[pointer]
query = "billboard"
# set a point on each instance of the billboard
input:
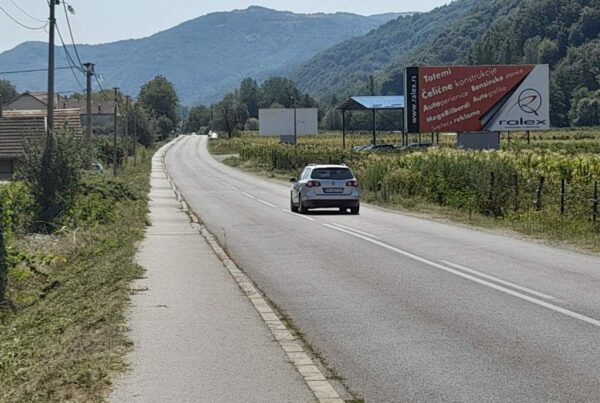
(280, 122)
(477, 98)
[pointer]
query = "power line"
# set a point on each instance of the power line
(102, 92)
(72, 64)
(71, 32)
(26, 13)
(32, 70)
(20, 23)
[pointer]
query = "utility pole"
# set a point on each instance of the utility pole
(295, 120)
(115, 133)
(88, 134)
(50, 103)
(126, 136)
(135, 117)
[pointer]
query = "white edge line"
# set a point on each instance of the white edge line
(497, 280)
(355, 230)
(266, 203)
(298, 215)
(248, 195)
(535, 301)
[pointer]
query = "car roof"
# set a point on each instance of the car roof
(327, 166)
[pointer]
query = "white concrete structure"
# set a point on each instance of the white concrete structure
(280, 122)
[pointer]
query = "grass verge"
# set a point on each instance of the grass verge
(65, 338)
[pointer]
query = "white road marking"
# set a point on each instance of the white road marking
(266, 203)
(234, 188)
(497, 280)
(355, 230)
(298, 215)
(428, 262)
(248, 195)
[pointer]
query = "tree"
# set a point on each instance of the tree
(160, 97)
(279, 90)
(252, 124)
(229, 115)
(198, 117)
(141, 123)
(165, 126)
(250, 96)
(7, 91)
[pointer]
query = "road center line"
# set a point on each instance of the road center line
(266, 203)
(357, 231)
(428, 262)
(234, 188)
(500, 281)
(248, 195)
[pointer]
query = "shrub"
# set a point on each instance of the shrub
(52, 169)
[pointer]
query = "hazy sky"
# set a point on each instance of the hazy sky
(111, 20)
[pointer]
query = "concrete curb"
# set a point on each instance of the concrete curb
(291, 345)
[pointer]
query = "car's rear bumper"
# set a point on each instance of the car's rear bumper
(327, 203)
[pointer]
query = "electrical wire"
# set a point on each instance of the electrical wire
(102, 92)
(26, 13)
(32, 70)
(71, 32)
(70, 61)
(20, 23)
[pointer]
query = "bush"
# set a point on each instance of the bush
(16, 204)
(52, 169)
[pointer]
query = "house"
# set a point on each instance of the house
(30, 101)
(18, 127)
(102, 111)
(15, 132)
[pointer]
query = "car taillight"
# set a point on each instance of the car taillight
(353, 184)
(313, 184)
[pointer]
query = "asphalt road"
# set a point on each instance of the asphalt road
(407, 309)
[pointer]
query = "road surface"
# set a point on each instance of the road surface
(407, 309)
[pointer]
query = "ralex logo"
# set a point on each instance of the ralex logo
(530, 102)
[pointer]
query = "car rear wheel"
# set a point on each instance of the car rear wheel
(355, 210)
(293, 206)
(301, 208)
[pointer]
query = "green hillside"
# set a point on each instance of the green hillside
(203, 57)
(345, 67)
(562, 33)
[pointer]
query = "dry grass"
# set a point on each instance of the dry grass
(66, 338)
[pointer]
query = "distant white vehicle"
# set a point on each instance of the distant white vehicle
(193, 133)
(213, 135)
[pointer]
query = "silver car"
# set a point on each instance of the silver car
(324, 186)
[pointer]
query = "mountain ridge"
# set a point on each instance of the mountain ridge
(204, 57)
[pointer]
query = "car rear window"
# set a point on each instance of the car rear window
(331, 173)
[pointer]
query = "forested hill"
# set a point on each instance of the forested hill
(562, 33)
(203, 57)
(452, 44)
(345, 67)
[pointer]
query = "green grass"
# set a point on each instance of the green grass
(65, 338)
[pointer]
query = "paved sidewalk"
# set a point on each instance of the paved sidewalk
(197, 337)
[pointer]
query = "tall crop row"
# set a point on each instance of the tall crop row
(497, 184)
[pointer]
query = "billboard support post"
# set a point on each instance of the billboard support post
(374, 128)
(343, 129)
